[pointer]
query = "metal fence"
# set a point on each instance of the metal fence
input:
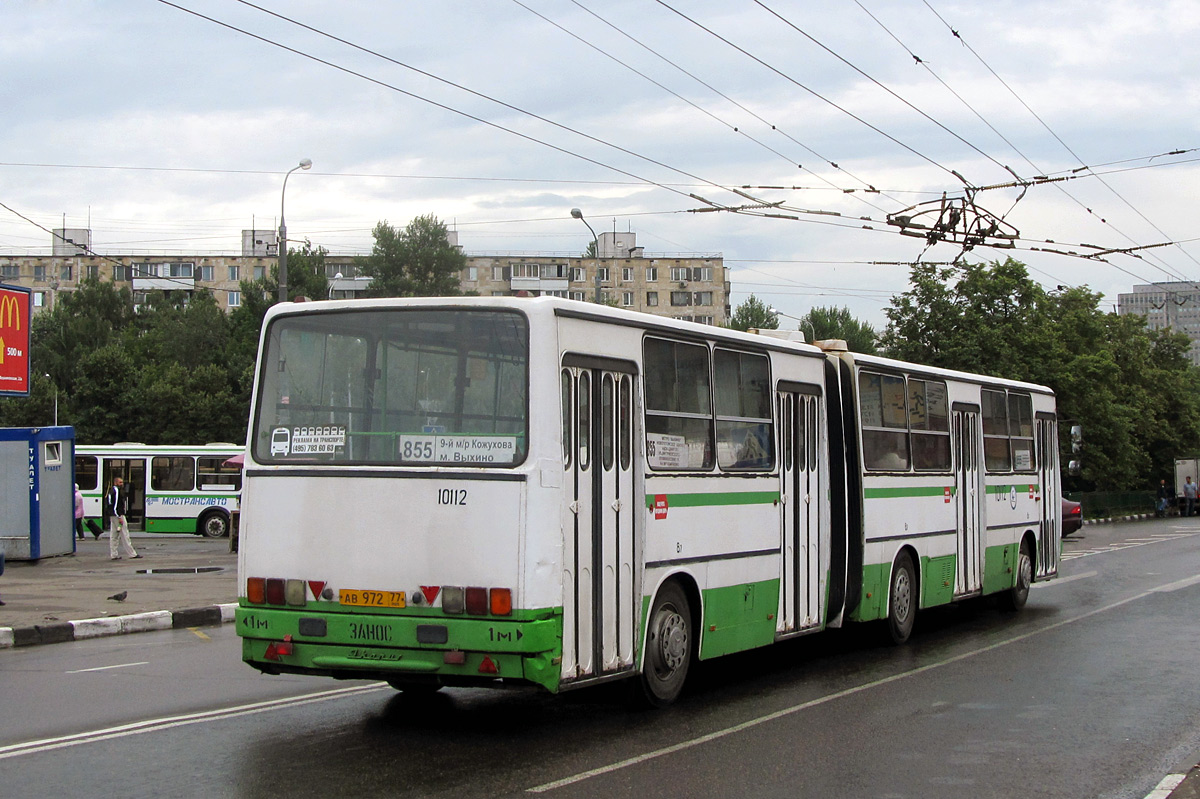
(1106, 504)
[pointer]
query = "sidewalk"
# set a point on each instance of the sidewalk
(180, 581)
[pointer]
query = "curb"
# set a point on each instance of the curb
(1130, 518)
(61, 632)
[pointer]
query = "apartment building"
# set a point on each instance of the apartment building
(1174, 305)
(691, 287)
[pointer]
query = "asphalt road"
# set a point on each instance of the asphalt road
(1091, 691)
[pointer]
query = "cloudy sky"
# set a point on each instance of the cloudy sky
(168, 128)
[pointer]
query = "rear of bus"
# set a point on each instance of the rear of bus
(385, 497)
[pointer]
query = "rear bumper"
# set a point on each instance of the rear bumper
(400, 647)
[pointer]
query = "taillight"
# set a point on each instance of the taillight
(477, 601)
(276, 591)
(256, 590)
(501, 601)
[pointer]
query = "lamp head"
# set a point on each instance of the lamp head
(305, 163)
(576, 213)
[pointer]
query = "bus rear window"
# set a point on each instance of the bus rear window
(395, 386)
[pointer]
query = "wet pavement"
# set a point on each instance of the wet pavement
(180, 578)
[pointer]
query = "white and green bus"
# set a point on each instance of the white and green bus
(171, 489)
(496, 491)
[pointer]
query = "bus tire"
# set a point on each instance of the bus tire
(902, 599)
(669, 646)
(213, 524)
(1016, 597)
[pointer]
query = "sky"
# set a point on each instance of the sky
(781, 135)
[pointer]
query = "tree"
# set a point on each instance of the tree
(826, 323)
(753, 313)
(1133, 391)
(418, 261)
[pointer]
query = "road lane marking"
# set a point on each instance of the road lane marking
(199, 634)
(1071, 579)
(169, 722)
(1164, 788)
(1178, 584)
(788, 711)
(105, 668)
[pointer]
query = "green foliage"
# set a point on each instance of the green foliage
(1134, 391)
(418, 261)
(753, 313)
(825, 323)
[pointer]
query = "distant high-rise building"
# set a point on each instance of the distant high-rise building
(1174, 305)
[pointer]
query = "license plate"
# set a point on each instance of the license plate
(373, 599)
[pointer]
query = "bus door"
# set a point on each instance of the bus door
(799, 505)
(968, 488)
(1046, 433)
(599, 603)
(133, 472)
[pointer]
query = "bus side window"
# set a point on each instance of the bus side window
(86, 472)
(585, 420)
(567, 444)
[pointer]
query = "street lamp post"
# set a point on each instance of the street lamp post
(808, 322)
(304, 164)
(55, 399)
(576, 213)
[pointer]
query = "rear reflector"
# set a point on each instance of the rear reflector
(275, 591)
(256, 590)
(455, 657)
(477, 601)
(501, 601)
(488, 666)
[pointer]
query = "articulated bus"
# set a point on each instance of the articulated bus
(171, 489)
(497, 491)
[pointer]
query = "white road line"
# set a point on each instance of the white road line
(106, 668)
(788, 711)
(155, 725)
(1063, 580)
(1178, 584)
(1164, 788)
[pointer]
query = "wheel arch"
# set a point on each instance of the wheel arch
(918, 576)
(215, 510)
(691, 591)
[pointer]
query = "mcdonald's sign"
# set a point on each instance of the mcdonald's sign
(14, 341)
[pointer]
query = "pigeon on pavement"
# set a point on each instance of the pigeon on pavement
(119, 597)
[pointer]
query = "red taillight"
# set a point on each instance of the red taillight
(256, 590)
(276, 591)
(501, 601)
(277, 649)
(477, 601)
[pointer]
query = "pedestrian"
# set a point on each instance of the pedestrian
(79, 513)
(118, 535)
(1165, 497)
(1189, 496)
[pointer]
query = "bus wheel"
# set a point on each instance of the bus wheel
(668, 646)
(902, 600)
(1016, 597)
(214, 525)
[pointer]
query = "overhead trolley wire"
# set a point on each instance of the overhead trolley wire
(866, 185)
(812, 92)
(1164, 269)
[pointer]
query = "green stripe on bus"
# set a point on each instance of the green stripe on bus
(1021, 488)
(170, 525)
(906, 491)
(722, 498)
